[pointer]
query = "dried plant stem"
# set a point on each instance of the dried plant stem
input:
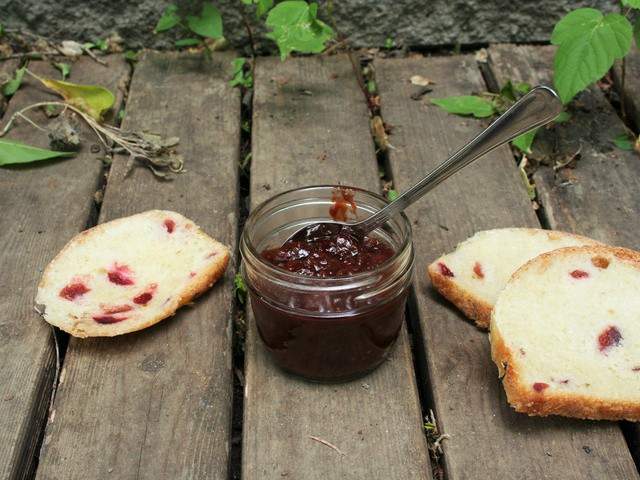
(134, 144)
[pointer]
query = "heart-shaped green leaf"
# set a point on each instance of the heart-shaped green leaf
(168, 20)
(295, 27)
(208, 23)
(588, 44)
(15, 152)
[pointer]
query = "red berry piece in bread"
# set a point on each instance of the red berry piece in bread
(108, 319)
(120, 275)
(579, 274)
(146, 296)
(540, 386)
(444, 270)
(170, 225)
(73, 290)
(477, 270)
(610, 337)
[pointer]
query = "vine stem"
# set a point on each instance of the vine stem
(252, 42)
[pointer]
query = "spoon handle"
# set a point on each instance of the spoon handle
(536, 108)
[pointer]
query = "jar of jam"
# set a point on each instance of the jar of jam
(330, 310)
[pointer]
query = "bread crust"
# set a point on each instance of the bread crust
(526, 400)
(199, 285)
(474, 307)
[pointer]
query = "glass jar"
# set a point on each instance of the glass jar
(325, 329)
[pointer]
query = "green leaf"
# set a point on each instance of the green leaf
(623, 142)
(208, 24)
(636, 31)
(511, 90)
(263, 6)
(631, 3)
(562, 117)
(65, 69)
(523, 142)
(392, 195)
(247, 2)
(10, 87)
(389, 43)
(240, 288)
(91, 99)
(239, 77)
(131, 56)
(588, 44)
(168, 20)
(295, 27)
(102, 45)
(466, 105)
(188, 42)
(15, 152)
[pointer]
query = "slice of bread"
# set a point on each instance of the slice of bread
(128, 274)
(472, 276)
(565, 334)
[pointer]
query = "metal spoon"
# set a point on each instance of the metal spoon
(536, 108)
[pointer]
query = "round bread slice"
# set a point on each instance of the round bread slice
(565, 334)
(128, 274)
(472, 276)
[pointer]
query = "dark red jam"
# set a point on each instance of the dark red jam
(336, 256)
(305, 338)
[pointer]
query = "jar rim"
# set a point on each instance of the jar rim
(255, 213)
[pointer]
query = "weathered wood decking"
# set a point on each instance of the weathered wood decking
(158, 404)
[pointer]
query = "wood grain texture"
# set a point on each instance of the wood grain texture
(156, 404)
(43, 205)
(311, 127)
(631, 84)
(598, 197)
(487, 438)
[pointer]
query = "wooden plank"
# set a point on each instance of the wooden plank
(632, 85)
(43, 205)
(311, 127)
(599, 196)
(157, 403)
(487, 438)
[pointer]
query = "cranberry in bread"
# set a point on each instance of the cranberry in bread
(472, 276)
(565, 334)
(128, 274)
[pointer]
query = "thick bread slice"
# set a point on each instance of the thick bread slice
(565, 334)
(127, 274)
(472, 276)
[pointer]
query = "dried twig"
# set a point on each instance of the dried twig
(151, 150)
(93, 56)
(328, 444)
